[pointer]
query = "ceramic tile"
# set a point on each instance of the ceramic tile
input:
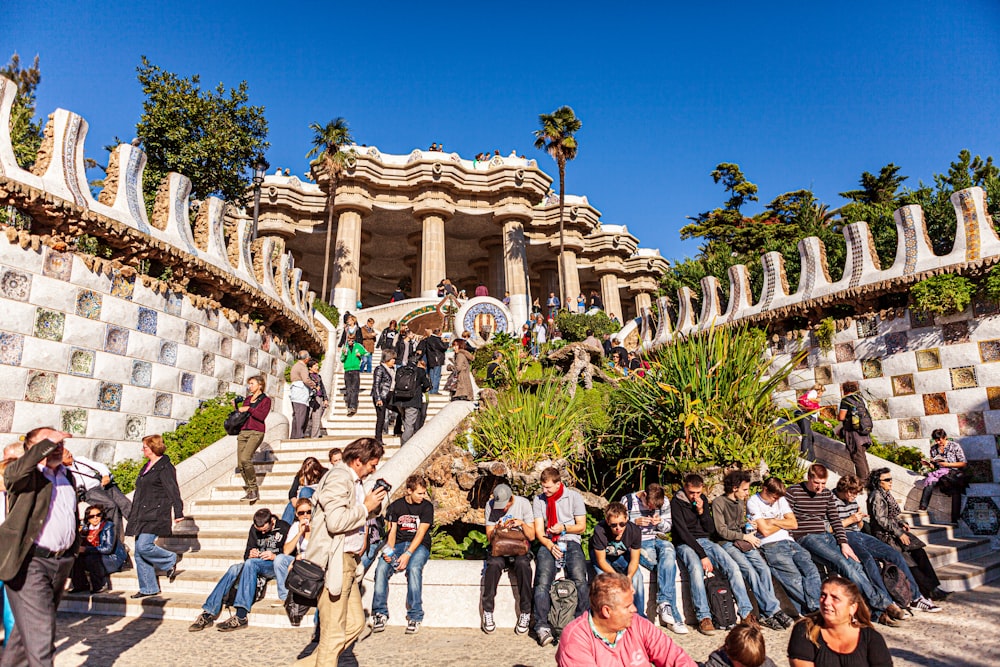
(238, 372)
(980, 472)
(208, 364)
(909, 429)
(274, 366)
(935, 404)
(58, 265)
(782, 385)
(971, 423)
(88, 304)
(989, 350)
(75, 421)
(955, 332)
(226, 347)
(187, 383)
(879, 408)
(844, 351)
(104, 452)
(921, 318)
(135, 427)
(192, 334)
(902, 385)
(41, 387)
(163, 404)
(964, 377)
(146, 321)
(928, 360)
(168, 353)
(81, 362)
(15, 285)
(848, 387)
(6, 416)
(122, 286)
(221, 387)
(993, 396)
(213, 317)
(175, 303)
(116, 340)
(240, 330)
(109, 397)
(49, 324)
(142, 373)
(895, 342)
(253, 357)
(871, 368)
(265, 342)
(11, 347)
(867, 326)
(981, 515)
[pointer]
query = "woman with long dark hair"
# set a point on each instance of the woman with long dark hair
(101, 553)
(303, 486)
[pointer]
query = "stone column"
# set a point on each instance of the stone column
(346, 261)
(571, 277)
(432, 257)
(642, 300)
(496, 279)
(609, 292)
(516, 270)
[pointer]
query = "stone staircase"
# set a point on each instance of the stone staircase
(214, 534)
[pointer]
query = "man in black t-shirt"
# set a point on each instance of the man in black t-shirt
(616, 546)
(407, 547)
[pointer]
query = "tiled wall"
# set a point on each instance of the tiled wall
(108, 359)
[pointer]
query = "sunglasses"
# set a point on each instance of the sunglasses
(885, 479)
(618, 525)
(303, 513)
(94, 516)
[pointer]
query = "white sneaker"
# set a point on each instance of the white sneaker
(680, 628)
(923, 604)
(488, 624)
(523, 624)
(665, 613)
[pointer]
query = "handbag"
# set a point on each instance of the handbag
(236, 419)
(508, 542)
(915, 543)
(743, 546)
(451, 385)
(306, 579)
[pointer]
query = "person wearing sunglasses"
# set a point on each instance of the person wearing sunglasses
(616, 546)
(295, 546)
(101, 553)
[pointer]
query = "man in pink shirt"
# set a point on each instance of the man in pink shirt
(612, 634)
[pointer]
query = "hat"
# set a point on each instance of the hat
(502, 494)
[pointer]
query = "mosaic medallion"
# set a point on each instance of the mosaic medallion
(963, 377)
(122, 286)
(989, 350)
(142, 373)
(878, 408)
(935, 404)
(981, 515)
(902, 385)
(88, 304)
(895, 342)
(41, 387)
(11, 347)
(909, 429)
(135, 427)
(146, 321)
(921, 318)
(226, 347)
(867, 326)
(6, 416)
(993, 396)
(81, 362)
(168, 353)
(104, 452)
(187, 383)
(849, 387)
(221, 387)
(109, 397)
(49, 324)
(163, 404)
(175, 302)
(971, 423)
(871, 368)
(15, 285)
(208, 364)
(58, 265)
(928, 360)
(980, 472)
(75, 421)
(116, 340)
(844, 351)
(265, 342)
(956, 332)
(192, 334)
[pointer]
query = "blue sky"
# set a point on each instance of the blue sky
(800, 95)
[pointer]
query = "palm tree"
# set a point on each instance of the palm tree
(556, 138)
(328, 143)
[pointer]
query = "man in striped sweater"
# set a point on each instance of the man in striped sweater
(815, 508)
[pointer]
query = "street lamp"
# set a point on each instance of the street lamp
(260, 166)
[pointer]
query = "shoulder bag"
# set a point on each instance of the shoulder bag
(306, 579)
(508, 542)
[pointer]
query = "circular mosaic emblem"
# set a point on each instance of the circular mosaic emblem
(483, 317)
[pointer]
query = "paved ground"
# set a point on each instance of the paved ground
(964, 635)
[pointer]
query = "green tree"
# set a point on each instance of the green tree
(25, 129)
(211, 136)
(875, 203)
(556, 137)
(329, 142)
(879, 189)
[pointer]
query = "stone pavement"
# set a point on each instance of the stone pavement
(964, 635)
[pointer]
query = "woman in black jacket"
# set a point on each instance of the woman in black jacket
(156, 494)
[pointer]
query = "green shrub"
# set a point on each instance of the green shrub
(328, 311)
(445, 544)
(824, 334)
(992, 285)
(943, 294)
(907, 457)
(126, 472)
(573, 326)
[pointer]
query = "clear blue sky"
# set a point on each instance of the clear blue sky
(798, 94)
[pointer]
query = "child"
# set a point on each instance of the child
(744, 647)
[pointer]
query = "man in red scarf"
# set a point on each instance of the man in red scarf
(560, 520)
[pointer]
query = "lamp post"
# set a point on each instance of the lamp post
(260, 166)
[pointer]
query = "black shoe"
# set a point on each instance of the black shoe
(106, 588)
(232, 623)
(205, 620)
(172, 573)
(139, 595)
(772, 622)
(937, 594)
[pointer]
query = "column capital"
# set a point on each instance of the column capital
(352, 201)
(519, 212)
(433, 206)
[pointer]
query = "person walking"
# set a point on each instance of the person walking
(387, 339)
(350, 356)
(156, 495)
(368, 337)
(382, 381)
(37, 545)
(857, 444)
(298, 394)
(258, 405)
(462, 369)
(434, 348)
(319, 401)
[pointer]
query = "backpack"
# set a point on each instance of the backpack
(861, 419)
(406, 382)
(721, 601)
(562, 593)
(896, 583)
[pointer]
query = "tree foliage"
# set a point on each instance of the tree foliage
(211, 136)
(25, 129)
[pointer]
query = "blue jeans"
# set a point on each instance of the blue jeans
(545, 571)
(620, 565)
(757, 574)
(148, 559)
(434, 374)
(824, 547)
(281, 564)
(8, 615)
(868, 548)
(659, 555)
(720, 559)
(414, 582)
(369, 556)
(247, 573)
(795, 569)
(366, 364)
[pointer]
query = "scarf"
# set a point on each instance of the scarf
(94, 534)
(551, 518)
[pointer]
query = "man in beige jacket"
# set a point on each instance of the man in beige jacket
(338, 541)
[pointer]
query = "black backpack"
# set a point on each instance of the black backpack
(896, 583)
(721, 601)
(860, 418)
(562, 593)
(406, 383)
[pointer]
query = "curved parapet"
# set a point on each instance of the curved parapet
(685, 316)
(814, 277)
(975, 237)
(711, 310)
(740, 295)
(664, 332)
(914, 252)
(862, 265)
(775, 291)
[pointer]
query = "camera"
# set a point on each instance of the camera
(382, 484)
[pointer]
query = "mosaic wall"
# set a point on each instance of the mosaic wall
(109, 360)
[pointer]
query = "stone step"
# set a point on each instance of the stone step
(314, 447)
(970, 574)
(957, 550)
